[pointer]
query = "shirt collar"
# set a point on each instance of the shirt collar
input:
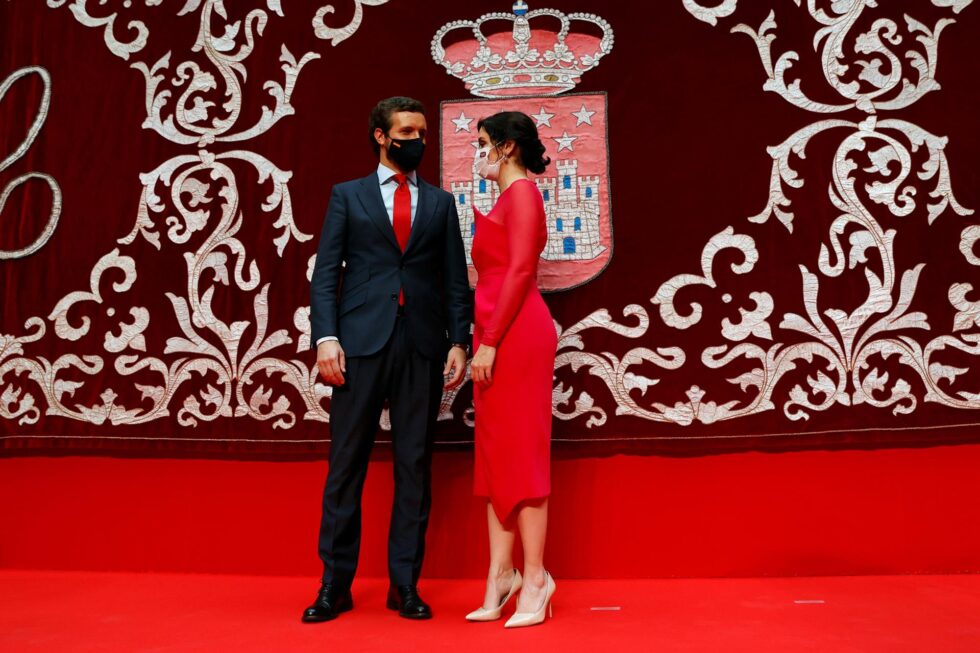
(386, 174)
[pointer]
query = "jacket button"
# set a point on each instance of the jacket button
(394, 295)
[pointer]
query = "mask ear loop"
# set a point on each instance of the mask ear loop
(501, 157)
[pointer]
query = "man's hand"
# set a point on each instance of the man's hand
(331, 362)
(481, 369)
(455, 364)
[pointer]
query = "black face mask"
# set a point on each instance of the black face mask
(406, 153)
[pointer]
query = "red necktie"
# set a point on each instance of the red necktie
(402, 218)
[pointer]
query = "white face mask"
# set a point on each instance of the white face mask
(484, 168)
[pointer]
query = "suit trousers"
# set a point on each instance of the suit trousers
(412, 385)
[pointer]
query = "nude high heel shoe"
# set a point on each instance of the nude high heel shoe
(482, 614)
(521, 619)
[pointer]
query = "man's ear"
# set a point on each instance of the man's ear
(379, 136)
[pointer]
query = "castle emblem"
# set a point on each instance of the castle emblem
(526, 68)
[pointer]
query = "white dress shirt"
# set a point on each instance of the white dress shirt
(386, 179)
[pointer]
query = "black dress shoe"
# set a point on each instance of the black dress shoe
(331, 600)
(406, 599)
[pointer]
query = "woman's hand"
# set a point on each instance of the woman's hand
(481, 369)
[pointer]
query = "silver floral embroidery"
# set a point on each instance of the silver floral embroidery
(51, 224)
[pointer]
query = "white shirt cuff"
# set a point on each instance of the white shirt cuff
(325, 339)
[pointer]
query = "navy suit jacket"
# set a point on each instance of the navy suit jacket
(360, 269)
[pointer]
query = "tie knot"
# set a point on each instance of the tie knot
(400, 178)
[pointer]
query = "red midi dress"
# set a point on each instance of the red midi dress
(513, 414)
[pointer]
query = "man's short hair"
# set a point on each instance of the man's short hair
(382, 112)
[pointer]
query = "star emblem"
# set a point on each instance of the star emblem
(583, 115)
(543, 119)
(463, 123)
(565, 142)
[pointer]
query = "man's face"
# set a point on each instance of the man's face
(405, 125)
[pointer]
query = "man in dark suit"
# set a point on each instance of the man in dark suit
(396, 331)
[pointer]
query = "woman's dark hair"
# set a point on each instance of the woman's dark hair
(381, 115)
(518, 127)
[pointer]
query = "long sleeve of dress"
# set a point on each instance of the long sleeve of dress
(523, 224)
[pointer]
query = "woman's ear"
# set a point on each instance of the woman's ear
(508, 148)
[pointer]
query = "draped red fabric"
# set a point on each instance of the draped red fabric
(763, 217)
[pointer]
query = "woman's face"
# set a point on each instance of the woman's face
(497, 150)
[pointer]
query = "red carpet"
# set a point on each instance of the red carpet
(72, 611)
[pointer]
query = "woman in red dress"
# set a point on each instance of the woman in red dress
(514, 342)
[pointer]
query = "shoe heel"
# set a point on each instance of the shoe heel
(551, 612)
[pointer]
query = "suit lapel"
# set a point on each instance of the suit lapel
(370, 197)
(423, 212)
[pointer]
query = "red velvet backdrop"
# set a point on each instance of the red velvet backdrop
(777, 247)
